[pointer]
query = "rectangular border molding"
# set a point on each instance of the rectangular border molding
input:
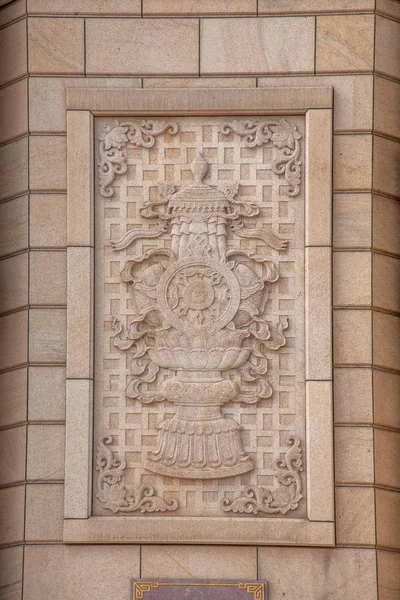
(319, 527)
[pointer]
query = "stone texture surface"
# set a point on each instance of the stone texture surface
(387, 93)
(351, 502)
(46, 394)
(353, 97)
(388, 575)
(252, 46)
(318, 572)
(147, 46)
(387, 458)
(390, 8)
(345, 324)
(44, 525)
(48, 220)
(47, 335)
(353, 395)
(352, 158)
(387, 54)
(14, 226)
(12, 501)
(14, 278)
(14, 337)
(386, 163)
(386, 225)
(48, 163)
(197, 562)
(14, 63)
(387, 522)
(14, 168)
(80, 571)
(12, 11)
(352, 279)
(84, 7)
(13, 393)
(312, 6)
(13, 449)
(352, 220)
(56, 46)
(386, 282)
(11, 572)
(199, 7)
(354, 455)
(345, 43)
(45, 460)
(386, 340)
(48, 278)
(13, 111)
(387, 399)
(199, 82)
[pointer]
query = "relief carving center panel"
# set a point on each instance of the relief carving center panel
(199, 317)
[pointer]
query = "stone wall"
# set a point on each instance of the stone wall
(49, 45)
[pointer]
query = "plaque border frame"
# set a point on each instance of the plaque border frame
(83, 105)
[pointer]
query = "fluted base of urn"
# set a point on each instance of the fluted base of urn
(200, 449)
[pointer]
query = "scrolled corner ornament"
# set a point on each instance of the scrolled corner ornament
(113, 141)
(114, 495)
(198, 314)
(284, 138)
(257, 499)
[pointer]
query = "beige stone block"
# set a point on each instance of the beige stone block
(318, 178)
(14, 286)
(386, 225)
(98, 572)
(13, 12)
(46, 394)
(13, 450)
(352, 279)
(318, 313)
(353, 396)
(56, 46)
(353, 97)
(48, 278)
(272, 7)
(47, 335)
(48, 220)
(44, 512)
(254, 46)
(345, 43)
(387, 53)
(388, 575)
(11, 572)
(14, 339)
(354, 455)
(127, 8)
(48, 163)
(386, 341)
(145, 46)
(355, 516)
(199, 7)
(386, 282)
(352, 337)
(199, 82)
(316, 573)
(390, 8)
(319, 429)
(78, 450)
(14, 226)
(14, 168)
(14, 63)
(352, 221)
(387, 519)
(13, 111)
(46, 445)
(386, 115)
(352, 162)
(80, 313)
(387, 458)
(80, 181)
(47, 112)
(386, 166)
(13, 394)
(386, 399)
(12, 501)
(199, 562)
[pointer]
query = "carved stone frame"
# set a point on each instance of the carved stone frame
(79, 524)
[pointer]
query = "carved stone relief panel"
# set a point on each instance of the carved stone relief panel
(199, 405)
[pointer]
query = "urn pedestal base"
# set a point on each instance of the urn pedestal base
(198, 442)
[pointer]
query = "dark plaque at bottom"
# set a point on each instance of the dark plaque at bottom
(178, 589)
